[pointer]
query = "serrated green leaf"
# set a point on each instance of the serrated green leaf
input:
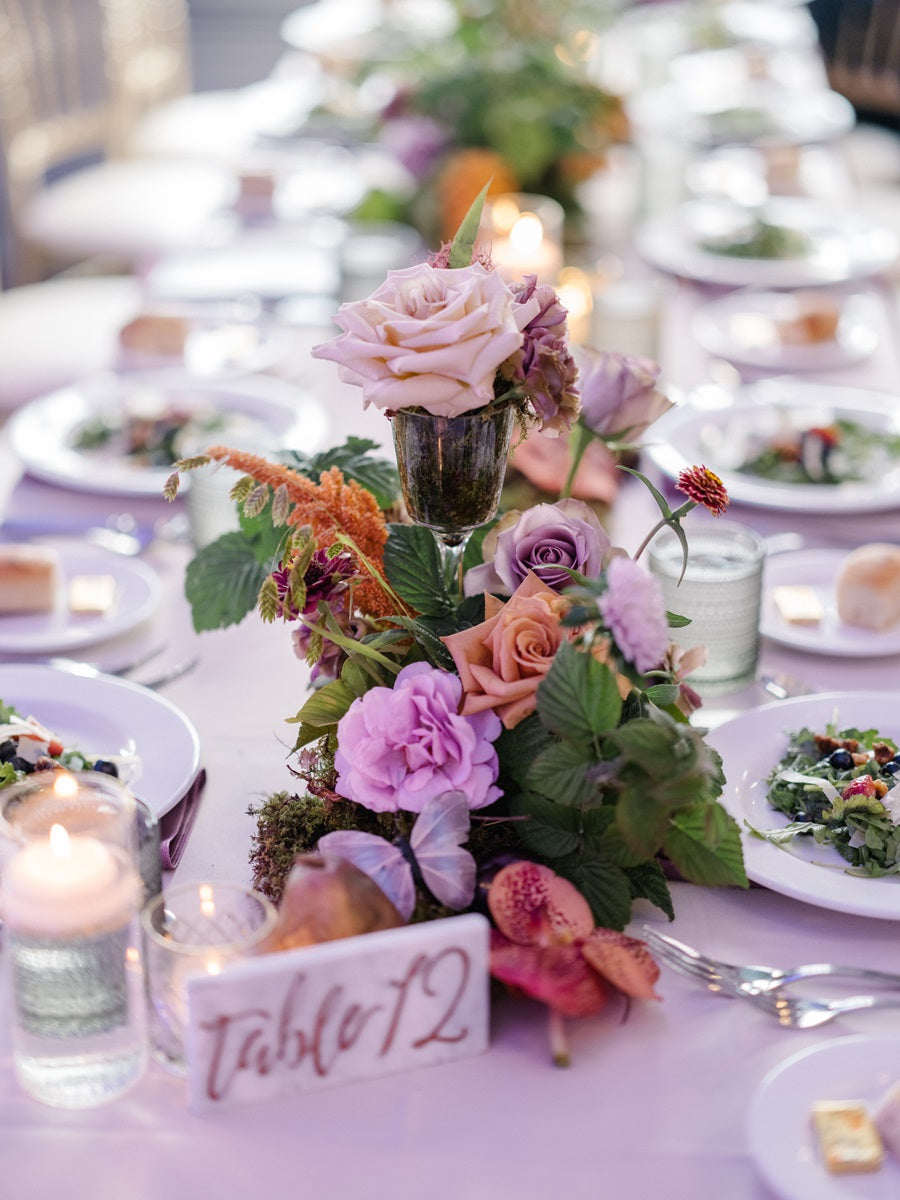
(648, 882)
(642, 821)
(430, 642)
(704, 843)
(559, 774)
(326, 706)
(355, 461)
(549, 829)
(663, 694)
(578, 697)
(605, 886)
(412, 566)
(222, 582)
(518, 747)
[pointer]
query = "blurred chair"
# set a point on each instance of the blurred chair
(75, 78)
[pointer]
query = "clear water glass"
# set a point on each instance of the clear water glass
(720, 594)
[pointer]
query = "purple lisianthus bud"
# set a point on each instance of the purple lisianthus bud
(619, 397)
(399, 746)
(633, 609)
(546, 539)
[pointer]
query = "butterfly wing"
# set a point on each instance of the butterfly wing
(436, 840)
(377, 858)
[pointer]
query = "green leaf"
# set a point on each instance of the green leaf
(605, 886)
(648, 882)
(463, 243)
(412, 565)
(578, 697)
(222, 582)
(549, 829)
(518, 747)
(663, 694)
(429, 641)
(642, 820)
(326, 706)
(559, 773)
(704, 843)
(355, 461)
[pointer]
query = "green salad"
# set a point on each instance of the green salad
(841, 788)
(761, 239)
(843, 451)
(27, 746)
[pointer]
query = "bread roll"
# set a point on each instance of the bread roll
(867, 588)
(156, 335)
(29, 579)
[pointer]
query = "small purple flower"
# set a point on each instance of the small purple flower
(545, 539)
(399, 746)
(619, 398)
(633, 609)
(327, 578)
(544, 365)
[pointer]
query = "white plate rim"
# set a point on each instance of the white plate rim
(857, 337)
(140, 594)
(750, 745)
(818, 569)
(293, 416)
(667, 242)
(779, 1135)
(670, 458)
(166, 741)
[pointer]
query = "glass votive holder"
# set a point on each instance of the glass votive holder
(69, 905)
(82, 802)
(194, 929)
(525, 235)
(720, 594)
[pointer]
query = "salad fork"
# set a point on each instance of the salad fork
(794, 1012)
(745, 981)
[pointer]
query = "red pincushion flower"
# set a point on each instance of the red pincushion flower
(703, 486)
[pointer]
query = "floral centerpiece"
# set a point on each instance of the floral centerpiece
(513, 733)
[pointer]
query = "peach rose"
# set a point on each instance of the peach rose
(502, 661)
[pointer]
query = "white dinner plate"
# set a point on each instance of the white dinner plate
(689, 434)
(260, 409)
(103, 715)
(818, 569)
(137, 594)
(751, 746)
(743, 327)
(840, 245)
(781, 1138)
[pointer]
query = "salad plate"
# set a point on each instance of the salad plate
(137, 595)
(816, 244)
(818, 569)
(757, 329)
(103, 715)
(725, 437)
(751, 745)
(780, 1136)
(81, 436)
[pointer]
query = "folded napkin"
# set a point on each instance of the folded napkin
(176, 825)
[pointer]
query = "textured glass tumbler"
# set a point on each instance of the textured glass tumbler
(194, 929)
(720, 593)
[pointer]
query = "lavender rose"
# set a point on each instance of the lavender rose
(545, 539)
(633, 609)
(428, 337)
(619, 398)
(401, 745)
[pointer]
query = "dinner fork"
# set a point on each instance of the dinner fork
(795, 1012)
(744, 981)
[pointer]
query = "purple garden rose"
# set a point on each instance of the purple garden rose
(619, 398)
(401, 745)
(545, 539)
(633, 609)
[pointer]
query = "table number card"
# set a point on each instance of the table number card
(346, 1010)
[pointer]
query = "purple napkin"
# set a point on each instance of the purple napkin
(176, 825)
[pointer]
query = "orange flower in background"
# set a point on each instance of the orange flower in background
(463, 176)
(330, 507)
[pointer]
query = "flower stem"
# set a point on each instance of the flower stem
(582, 439)
(559, 1040)
(671, 519)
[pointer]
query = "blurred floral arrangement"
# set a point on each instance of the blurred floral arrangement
(519, 742)
(506, 93)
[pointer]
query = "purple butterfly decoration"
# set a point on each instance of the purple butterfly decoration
(435, 845)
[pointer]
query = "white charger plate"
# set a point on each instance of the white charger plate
(42, 432)
(842, 245)
(138, 592)
(689, 434)
(742, 328)
(751, 745)
(103, 715)
(781, 1139)
(818, 569)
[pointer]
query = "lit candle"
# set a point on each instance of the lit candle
(524, 236)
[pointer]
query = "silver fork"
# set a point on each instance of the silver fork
(795, 1012)
(730, 979)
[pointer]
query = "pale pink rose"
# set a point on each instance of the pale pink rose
(502, 661)
(428, 337)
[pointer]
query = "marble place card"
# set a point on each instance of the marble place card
(353, 1009)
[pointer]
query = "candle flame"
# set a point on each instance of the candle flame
(65, 786)
(207, 900)
(213, 966)
(527, 234)
(59, 842)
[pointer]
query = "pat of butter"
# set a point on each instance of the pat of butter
(94, 594)
(847, 1136)
(798, 604)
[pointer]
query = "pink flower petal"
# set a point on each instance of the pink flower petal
(534, 906)
(556, 975)
(624, 961)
